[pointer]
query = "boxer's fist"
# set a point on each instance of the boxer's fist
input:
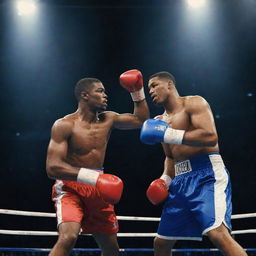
(110, 187)
(132, 81)
(157, 191)
(153, 131)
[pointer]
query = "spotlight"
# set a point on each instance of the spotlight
(26, 7)
(196, 3)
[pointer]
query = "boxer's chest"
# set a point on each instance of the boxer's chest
(90, 136)
(178, 120)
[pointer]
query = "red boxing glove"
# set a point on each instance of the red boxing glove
(109, 186)
(157, 191)
(132, 81)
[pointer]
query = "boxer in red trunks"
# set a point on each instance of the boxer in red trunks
(83, 194)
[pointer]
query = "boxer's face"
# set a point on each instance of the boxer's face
(158, 90)
(96, 97)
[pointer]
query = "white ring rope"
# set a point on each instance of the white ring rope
(53, 233)
(27, 213)
(45, 214)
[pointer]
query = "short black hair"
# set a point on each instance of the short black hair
(164, 74)
(84, 84)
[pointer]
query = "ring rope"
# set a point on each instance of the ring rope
(10, 249)
(45, 214)
(54, 233)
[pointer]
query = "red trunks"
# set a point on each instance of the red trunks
(77, 202)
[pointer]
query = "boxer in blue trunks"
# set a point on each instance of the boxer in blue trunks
(199, 198)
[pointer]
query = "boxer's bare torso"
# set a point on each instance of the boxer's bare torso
(182, 118)
(87, 141)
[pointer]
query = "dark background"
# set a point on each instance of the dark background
(210, 50)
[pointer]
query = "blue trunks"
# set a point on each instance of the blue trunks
(199, 199)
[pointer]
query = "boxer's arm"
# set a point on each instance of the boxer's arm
(204, 133)
(132, 81)
(56, 165)
(169, 161)
(169, 172)
(135, 120)
(157, 191)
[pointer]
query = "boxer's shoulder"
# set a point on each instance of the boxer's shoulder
(193, 99)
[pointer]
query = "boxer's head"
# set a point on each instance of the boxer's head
(160, 85)
(92, 91)
(84, 85)
(164, 75)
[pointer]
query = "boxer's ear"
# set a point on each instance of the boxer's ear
(170, 84)
(84, 95)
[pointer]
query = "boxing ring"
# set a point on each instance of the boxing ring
(9, 251)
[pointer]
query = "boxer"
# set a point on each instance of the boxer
(83, 194)
(195, 184)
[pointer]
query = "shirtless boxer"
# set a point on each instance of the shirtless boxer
(199, 201)
(83, 195)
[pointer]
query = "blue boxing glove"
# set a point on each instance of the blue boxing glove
(154, 131)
